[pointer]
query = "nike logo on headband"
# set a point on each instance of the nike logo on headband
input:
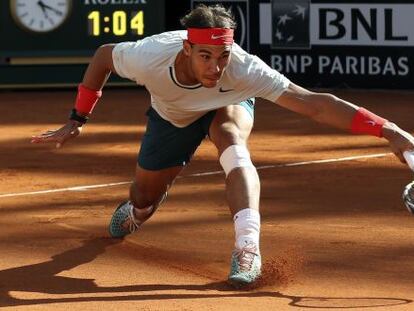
(214, 37)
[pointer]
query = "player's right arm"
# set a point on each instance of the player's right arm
(331, 110)
(89, 91)
(322, 107)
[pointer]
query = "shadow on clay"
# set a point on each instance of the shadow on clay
(19, 279)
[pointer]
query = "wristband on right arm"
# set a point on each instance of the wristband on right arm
(366, 122)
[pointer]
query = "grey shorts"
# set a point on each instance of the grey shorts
(165, 145)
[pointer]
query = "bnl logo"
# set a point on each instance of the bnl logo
(240, 10)
(290, 24)
(299, 24)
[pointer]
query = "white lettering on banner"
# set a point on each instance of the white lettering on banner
(362, 24)
(291, 63)
(355, 24)
(404, 66)
(113, 2)
(336, 65)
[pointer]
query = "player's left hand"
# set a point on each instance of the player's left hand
(70, 130)
(398, 139)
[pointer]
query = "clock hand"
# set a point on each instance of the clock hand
(56, 11)
(43, 7)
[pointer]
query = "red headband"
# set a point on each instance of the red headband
(213, 36)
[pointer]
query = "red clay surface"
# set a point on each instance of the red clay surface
(334, 235)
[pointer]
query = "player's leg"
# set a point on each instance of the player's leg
(231, 128)
(229, 131)
(150, 187)
(147, 192)
(165, 150)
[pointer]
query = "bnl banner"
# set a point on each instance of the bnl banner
(337, 44)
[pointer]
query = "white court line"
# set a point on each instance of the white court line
(78, 188)
(83, 188)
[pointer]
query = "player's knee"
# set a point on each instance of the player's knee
(228, 136)
(235, 156)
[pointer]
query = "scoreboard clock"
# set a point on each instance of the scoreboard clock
(62, 35)
(118, 23)
(75, 27)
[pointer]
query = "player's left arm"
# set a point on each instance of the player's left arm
(329, 109)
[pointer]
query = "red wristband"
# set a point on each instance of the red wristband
(86, 99)
(366, 122)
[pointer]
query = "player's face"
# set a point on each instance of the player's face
(208, 62)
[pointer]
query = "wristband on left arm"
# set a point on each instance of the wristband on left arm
(76, 117)
(86, 99)
(366, 122)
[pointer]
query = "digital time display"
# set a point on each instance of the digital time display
(74, 27)
(118, 23)
(51, 42)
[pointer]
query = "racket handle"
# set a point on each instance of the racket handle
(409, 157)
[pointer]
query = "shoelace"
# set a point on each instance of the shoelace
(133, 225)
(245, 256)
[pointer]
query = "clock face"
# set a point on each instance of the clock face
(40, 15)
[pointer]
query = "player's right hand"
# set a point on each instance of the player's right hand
(70, 130)
(399, 140)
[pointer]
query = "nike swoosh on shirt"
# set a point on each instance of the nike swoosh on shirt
(221, 90)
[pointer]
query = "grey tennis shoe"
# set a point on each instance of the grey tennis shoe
(124, 222)
(246, 265)
(408, 197)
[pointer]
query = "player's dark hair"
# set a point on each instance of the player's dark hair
(214, 16)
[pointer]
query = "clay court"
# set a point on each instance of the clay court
(335, 233)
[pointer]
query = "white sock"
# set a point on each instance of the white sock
(247, 227)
